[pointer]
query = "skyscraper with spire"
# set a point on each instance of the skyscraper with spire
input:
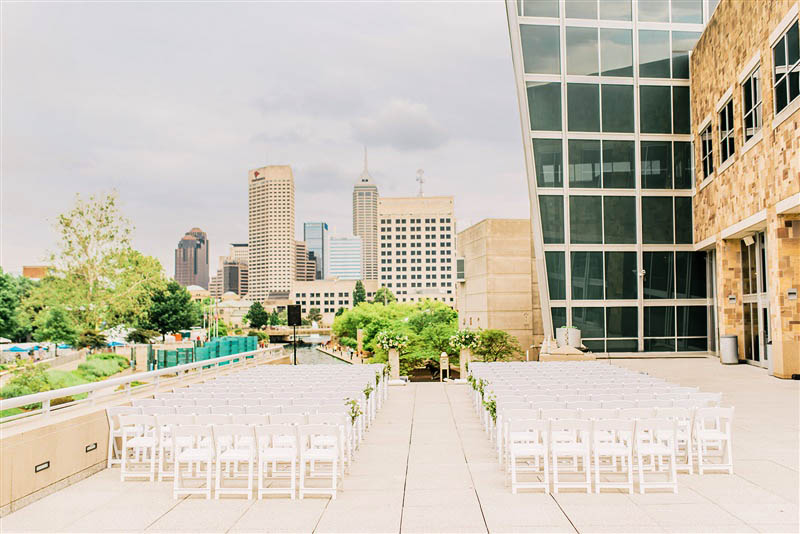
(365, 221)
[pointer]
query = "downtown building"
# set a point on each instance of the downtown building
(626, 242)
(271, 243)
(365, 221)
(233, 273)
(417, 248)
(191, 259)
(304, 264)
(315, 234)
(345, 258)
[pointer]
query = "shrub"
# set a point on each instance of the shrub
(142, 335)
(98, 368)
(27, 380)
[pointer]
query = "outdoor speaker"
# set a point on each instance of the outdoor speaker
(293, 315)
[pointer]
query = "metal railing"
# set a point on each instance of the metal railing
(153, 379)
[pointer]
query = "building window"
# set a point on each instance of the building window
(751, 104)
(707, 152)
(786, 80)
(726, 144)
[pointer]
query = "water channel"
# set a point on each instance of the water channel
(308, 354)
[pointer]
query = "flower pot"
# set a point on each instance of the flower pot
(568, 337)
(465, 356)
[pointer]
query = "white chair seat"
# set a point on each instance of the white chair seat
(527, 449)
(612, 448)
(320, 454)
(235, 455)
(655, 448)
(196, 455)
(278, 453)
(569, 448)
(142, 441)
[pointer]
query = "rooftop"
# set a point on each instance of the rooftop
(426, 465)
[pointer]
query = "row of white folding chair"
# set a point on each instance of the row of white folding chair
(595, 398)
(244, 402)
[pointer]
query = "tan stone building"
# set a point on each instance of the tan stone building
(745, 102)
(417, 247)
(329, 295)
(271, 244)
(305, 268)
(497, 289)
(365, 222)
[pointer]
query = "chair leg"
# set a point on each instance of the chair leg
(513, 473)
(302, 476)
(111, 446)
(629, 468)
(293, 483)
(218, 481)
(641, 473)
(209, 467)
(587, 467)
(334, 478)
(729, 449)
(546, 463)
(596, 472)
(555, 473)
(152, 463)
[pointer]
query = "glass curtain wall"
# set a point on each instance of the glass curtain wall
(606, 87)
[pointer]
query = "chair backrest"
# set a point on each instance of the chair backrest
(298, 409)
(251, 419)
(607, 397)
(537, 398)
(549, 405)
(137, 424)
(266, 434)
(712, 418)
(570, 425)
(200, 434)
(599, 413)
(332, 408)
(225, 434)
(113, 413)
(287, 419)
(505, 406)
(520, 413)
(612, 430)
(240, 401)
(147, 402)
(559, 413)
(618, 404)
(637, 413)
(194, 410)
(213, 419)
(655, 403)
(178, 402)
(158, 410)
(529, 431)
(649, 430)
(583, 405)
(305, 431)
(338, 419)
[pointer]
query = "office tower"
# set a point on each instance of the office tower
(608, 151)
(271, 244)
(365, 221)
(238, 252)
(328, 296)
(315, 234)
(233, 273)
(417, 247)
(345, 258)
(305, 266)
(191, 259)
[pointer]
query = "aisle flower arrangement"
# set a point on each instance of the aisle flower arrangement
(464, 339)
(389, 340)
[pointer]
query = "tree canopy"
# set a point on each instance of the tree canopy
(13, 322)
(359, 294)
(494, 345)
(257, 316)
(57, 326)
(384, 296)
(172, 309)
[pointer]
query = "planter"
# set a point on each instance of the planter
(568, 337)
(465, 356)
(394, 364)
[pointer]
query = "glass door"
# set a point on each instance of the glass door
(755, 301)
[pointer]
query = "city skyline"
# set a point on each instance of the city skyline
(155, 150)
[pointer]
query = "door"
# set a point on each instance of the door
(755, 300)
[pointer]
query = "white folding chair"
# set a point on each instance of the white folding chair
(571, 438)
(158, 410)
(317, 446)
(342, 422)
(618, 404)
(713, 433)
(140, 437)
(277, 445)
(166, 423)
(192, 446)
(234, 445)
(147, 403)
(683, 434)
(529, 439)
(657, 438)
(611, 439)
(114, 431)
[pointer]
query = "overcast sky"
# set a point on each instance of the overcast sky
(171, 103)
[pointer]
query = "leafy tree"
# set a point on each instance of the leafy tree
(283, 318)
(14, 324)
(496, 345)
(27, 380)
(142, 335)
(274, 319)
(257, 316)
(340, 311)
(57, 326)
(91, 339)
(359, 294)
(222, 328)
(172, 309)
(384, 296)
(314, 315)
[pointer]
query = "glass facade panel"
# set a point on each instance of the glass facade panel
(590, 321)
(622, 345)
(617, 108)
(682, 43)
(683, 164)
(681, 112)
(582, 51)
(621, 279)
(551, 211)
(540, 49)
(690, 275)
(615, 9)
(559, 318)
(587, 275)
(687, 11)
(658, 277)
(585, 219)
(692, 321)
(653, 11)
(547, 154)
(654, 109)
(584, 163)
(580, 9)
(555, 275)
(659, 345)
(619, 164)
(616, 52)
(544, 103)
(540, 8)
(622, 321)
(619, 220)
(654, 54)
(583, 107)
(683, 220)
(657, 224)
(693, 344)
(656, 165)
(659, 321)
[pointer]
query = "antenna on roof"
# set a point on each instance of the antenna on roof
(421, 180)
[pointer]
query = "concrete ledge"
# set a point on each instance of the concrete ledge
(582, 357)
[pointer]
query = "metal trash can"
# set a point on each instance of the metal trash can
(728, 350)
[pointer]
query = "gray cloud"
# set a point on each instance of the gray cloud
(402, 125)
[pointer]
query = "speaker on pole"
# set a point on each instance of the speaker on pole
(293, 315)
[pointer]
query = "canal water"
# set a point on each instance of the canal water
(308, 354)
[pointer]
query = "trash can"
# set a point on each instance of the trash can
(728, 350)
(770, 363)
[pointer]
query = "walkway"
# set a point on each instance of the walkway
(426, 465)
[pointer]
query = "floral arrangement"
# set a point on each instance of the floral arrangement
(368, 390)
(389, 340)
(491, 406)
(354, 409)
(464, 339)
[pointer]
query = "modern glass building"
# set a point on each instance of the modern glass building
(345, 258)
(603, 87)
(315, 234)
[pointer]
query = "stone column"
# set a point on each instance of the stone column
(394, 363)
(360, 340)
(464, 358)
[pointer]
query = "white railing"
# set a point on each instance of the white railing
(153, 381)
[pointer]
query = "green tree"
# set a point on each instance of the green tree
(172, 309)
(91, 339)
(494, 345)
(257, 317)
(314, 315)
(141, 335)
(384, 296)
(57, 326)
(359, 294)
(14, 324)
(274, 319)
(340, 311)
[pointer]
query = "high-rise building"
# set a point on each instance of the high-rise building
(328, 296)
(365, 221)
(271, 244)
(345, 258)
(315, 234)
(604, 98)
(417, 247)
(305, 267)
(233, 273)
(191, 259)
(238, 252)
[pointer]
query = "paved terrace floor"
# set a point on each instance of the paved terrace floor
(426, 466)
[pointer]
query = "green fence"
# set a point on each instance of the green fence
(220, 346)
